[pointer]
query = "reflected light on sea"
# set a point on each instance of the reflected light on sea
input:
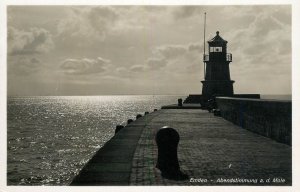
(51, 138)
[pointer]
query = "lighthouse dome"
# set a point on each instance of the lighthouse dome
(217, 39)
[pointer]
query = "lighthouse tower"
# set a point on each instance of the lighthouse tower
(217, 80)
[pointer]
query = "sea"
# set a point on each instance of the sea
(50, 138)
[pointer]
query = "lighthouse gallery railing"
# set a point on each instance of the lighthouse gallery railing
(228, 57)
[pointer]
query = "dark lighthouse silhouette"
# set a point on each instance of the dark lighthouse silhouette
(217, 74)
(217, 80)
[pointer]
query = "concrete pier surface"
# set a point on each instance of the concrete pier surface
(211, 151)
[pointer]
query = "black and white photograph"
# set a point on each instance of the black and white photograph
(121, 94)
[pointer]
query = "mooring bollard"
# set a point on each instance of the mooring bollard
(146, 113)
(129, 121)
(118, 128)
(180, 102)
(138, 116)
(167, 140)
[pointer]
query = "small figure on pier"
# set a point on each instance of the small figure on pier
(180, 102)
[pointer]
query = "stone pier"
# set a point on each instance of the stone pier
(211, 151)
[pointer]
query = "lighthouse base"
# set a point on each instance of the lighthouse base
(217, 88)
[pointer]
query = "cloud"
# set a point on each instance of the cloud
(92, 22)
(170, 51)
(195, 47)
(263, 25)
(184, 12)
(140, 18)
(263, 40)
(121, 70)
(84, 66)
(101, 17)
(33, 41)
(102, 22)
(24, 66)
(175, 57)
(137, 68)
(155, 64)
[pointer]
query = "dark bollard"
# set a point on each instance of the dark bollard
(167, 140)
(129, 121)
(138, 116)
(180, 102)
(146, 113)
(118, 128)
(155, 110)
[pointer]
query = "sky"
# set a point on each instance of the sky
(113, 50)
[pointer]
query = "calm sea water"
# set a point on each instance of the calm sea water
(51, 138)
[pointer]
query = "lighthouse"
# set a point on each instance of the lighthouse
(217, 81)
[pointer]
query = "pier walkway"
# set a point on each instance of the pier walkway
(211, 151)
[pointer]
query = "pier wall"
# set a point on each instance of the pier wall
(270, 118)
(201, 99)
